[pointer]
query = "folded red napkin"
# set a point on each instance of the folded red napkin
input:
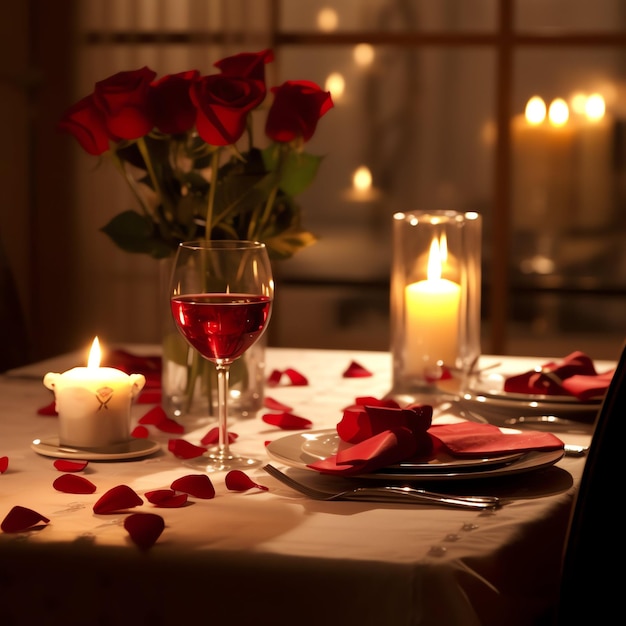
(385, 436)
(149, 366)
(575, 375)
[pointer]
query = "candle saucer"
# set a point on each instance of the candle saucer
(131, 449)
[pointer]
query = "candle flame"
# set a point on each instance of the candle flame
(94, 354)
(435, 259)
(558, 112)
(362, 178)
(595, 107)
(535, 111)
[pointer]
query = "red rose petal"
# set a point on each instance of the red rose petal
(20, 518)
(4, 464)
(355, 370)
(140, 432)
(275, 405)
(149, 396)
(274, 378)
(158, 417)
(287, 421)
(213, 436)
(196, 485)
(117, 499)
(144, 528)
(183, 449)
(70, 483)
(66, 465)
(166, 498)
(49, 409)
(297, 379)
(236, 480)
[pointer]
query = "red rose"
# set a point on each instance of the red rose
(247, 65)
(223, 102)
(86, 122)
(123, 98)
(170, 105)
(298, 105)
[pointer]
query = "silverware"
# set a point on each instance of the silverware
(388, 493)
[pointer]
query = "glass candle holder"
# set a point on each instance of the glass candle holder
(435, 300)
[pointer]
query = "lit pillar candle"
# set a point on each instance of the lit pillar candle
(432, 318)
(94, 402)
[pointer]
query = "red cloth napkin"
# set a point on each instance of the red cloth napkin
(149, 366)
(407, 435)
(575, 375)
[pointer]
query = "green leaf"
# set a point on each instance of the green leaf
(298, 170)
(136, 233)
(287, 243)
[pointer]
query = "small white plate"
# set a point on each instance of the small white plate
(132, 449)
(293, 451)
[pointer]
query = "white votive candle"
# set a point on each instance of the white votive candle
(432, 309)
(94, 403)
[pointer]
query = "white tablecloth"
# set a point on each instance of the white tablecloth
(271, 557)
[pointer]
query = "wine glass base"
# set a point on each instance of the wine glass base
(221, 461)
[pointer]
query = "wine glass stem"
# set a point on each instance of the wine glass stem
(222, 408)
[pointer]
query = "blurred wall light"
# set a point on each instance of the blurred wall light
(327, 20)
(336, 84)
(363, 54)
(558, 113)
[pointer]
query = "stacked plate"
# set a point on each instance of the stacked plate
(301, 449)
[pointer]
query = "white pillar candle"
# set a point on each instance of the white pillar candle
(94, 402)
(432, 309)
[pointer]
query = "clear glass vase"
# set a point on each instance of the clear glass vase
(189, 382)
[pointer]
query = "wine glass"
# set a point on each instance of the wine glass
(221, 295)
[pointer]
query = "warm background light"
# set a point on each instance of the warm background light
(595, 107)
(327, 20)
(535, 110)
(363, 54)
(558, 112)
(362, 178)
(336, 84)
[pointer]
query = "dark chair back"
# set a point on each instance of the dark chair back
(592, 584)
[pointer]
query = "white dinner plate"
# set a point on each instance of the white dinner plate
(301, 449)
(132, 449)
(487, 396)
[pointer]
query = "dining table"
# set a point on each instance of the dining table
(265, 553)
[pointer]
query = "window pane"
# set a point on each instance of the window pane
(564, 15)
(387, 15)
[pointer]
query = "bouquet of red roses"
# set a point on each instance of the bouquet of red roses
(184, 144)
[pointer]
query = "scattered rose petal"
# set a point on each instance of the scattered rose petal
(287, 421)
(49, 409)
(196, 485)
(295, 378)
(236, 480)
(166, 498)
(4, 464)
(67, 465)
(117, 499)
(213, 436)
(140, 432)
(20, 518)
(71, 483)
(149, 396)
(144, 528)
(275, 405)
(274, 378)
(355, 370)
(158, 417)
(183, 449)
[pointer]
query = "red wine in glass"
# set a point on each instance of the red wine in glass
(221, 326)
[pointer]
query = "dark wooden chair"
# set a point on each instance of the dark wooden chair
(592, 580)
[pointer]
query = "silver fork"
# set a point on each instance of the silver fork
(387, 493)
